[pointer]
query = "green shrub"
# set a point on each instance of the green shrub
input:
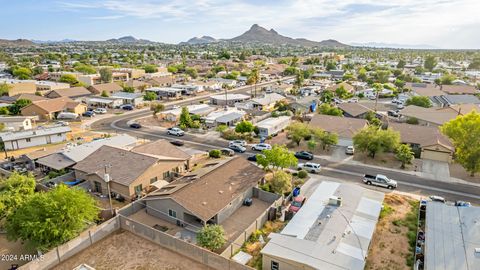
(221, 128)
(215, 153)
(302, 174)
(412, 121)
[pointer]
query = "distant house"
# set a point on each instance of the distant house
(354, 110)
(459, 89)
(425, 89)
(163, 81)
(47, 86)
(344, 127)
(48, 109)
(426, 141)
(136, 84)
(73, 93)
(19, 86)
(166, 92)
(225, 82)
(34, 137)
(103, 102)
(129, 98)
(224, 117)
(336, 74)
(332, 230)
(131, 173)
(195, 109)
(272, 126)
(348, 87)
(228, 99)
(436, 116)
(16, 123)
(109, 88)
(266, 102)
(207, 196)
(133, 73)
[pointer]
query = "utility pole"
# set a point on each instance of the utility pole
(106, 177)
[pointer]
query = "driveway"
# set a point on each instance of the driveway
(439, 170)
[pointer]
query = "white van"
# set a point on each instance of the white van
(67, 115)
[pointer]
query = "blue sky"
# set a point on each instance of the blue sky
(441, 23)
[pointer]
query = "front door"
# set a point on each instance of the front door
(97, 187)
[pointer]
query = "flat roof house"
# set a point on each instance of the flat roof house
(128, 98)
(224, 117)
(46, 86)
(16, 123)
(33, 137)
(267, 102)
(195, 109)
(166, 92)
(19, 86)
(228, 99)
(452, 237)
(131, 173)
(331, 231)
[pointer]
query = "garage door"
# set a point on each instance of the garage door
(344, 142)
(435, 155)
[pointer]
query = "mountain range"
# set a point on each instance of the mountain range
(393, 45)
(258, 34)
(16, 42)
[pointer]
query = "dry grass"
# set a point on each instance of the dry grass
(390, 248)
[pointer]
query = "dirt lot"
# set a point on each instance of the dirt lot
(125, 250)
(457, 171)
(16, 249)
(389, 248)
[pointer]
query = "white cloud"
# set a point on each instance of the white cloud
(435, 22)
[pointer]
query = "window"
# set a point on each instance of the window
(138, 189)
(275, 266)
(172, 213)
(153, 180)
(28, 139)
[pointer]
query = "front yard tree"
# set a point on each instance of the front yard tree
(420, 101)
(211, 236)
(328, 109)
(373, 140)
(106, 75)
(405, 154)
(185, 119)
(14, 191)
(430, 63)
(464, 131)
(281, 182)
(244, 127)
(298, 131)
(49, 219)
(278, 157)
(149, 96)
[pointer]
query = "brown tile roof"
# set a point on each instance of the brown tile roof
(108, 87)
(162, 149)
(345, 127)
(353, 109)
(459, 89)
(422, 135)
(125, 166)
(431, 115)
(345, 85)
(425, 89)
(157, 81)
(54, 104)
(135, 84)
(464, 108)
(31, 97)
(206, 195)
(70, 92)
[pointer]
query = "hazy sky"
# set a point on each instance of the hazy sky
(441, 23)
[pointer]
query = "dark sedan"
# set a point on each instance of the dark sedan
(135, 125)
(177, 143)
(304, 155)
(253, 157)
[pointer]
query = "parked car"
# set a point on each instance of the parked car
(392, 113)
(100, 110)
(62, 123)
(237, 148)
(400, 106)
(253, 157)
(227, 152)
(304, 155)
(462, 204)
(353, 100)
(310, 167)
(177, 143)
(135, 125)
(238, 142)
(296, 204)
(175, 131)
(379, 180)
(127, 107)
(436, 198)
(261, 147)
(350, 150)
(88, 114)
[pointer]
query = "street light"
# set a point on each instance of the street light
(106, 177)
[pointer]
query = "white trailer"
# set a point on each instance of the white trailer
(272, 126)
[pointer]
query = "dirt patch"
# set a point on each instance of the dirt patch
(390, 246)
(13, 252)
(155, 121)
(125, 250)
(457, 171)
(387, 160)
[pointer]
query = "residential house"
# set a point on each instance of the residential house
(228, 99)
(227, 117)
(93, 79)
(49, 109)
(103, 102)
(189, 89)
(459, 89)
(266, 102)
(16, 123)
(129, 98)
(348, 87)
(426, 141)
(195, 109)
(451, 232)
(332, 230)
(209, 85)
(55, 76)
(166, 92)
(133, 73)
(272, 126)
(34, 137)
(209, 195)
(75, 93)
(163, 81)
(19, 86)
(137, 85)
(71, 154)
(436, 116)
(344, 127)
(163, 149)
(12, 99)
(354, 110)
(130, 173)
(335, 74)
(425, 89)
(225, 82)
(45, 86)
(109, 88)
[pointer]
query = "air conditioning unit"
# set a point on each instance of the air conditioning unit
(335, 201)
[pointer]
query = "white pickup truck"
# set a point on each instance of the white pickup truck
(379, 180)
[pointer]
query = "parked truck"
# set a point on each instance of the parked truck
(379, 180)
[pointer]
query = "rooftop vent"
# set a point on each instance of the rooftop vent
(335, 201)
